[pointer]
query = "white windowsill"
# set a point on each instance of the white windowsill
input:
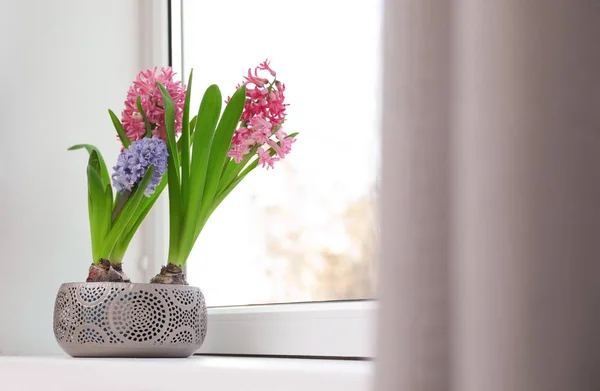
(332, 329)
(199, 372)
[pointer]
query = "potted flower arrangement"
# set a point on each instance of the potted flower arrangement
(201, 160)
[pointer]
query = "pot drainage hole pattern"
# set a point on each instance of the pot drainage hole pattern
(138, 316)
(129, 314)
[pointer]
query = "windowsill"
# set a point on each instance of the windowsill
(333, 329)
(199, 372)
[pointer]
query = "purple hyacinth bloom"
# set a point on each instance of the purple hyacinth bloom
(134, 161)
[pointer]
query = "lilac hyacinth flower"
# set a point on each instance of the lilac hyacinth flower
(134, 161)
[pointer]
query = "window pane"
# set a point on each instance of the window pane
(304, 231)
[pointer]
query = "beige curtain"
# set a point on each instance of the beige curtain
(490, 275)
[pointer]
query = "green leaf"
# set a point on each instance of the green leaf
(185, 145)
(95, 203)
(92, 226)
(103, 170)
(175, 211)
(192, 127)
(170, 124)
(127, 213)
(119, 128)
(218, 151)
(106, 213)
(175, 201)
(233, 169)
(94, 162)
(138, 103)
(120, 201)
(147, 203)
(207, 118)
(221, 144)
(99, 204)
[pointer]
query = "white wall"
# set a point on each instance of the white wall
(62, 65)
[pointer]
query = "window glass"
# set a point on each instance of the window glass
(304, 231)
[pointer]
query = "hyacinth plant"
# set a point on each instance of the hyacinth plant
(216, 152)
(137, 178)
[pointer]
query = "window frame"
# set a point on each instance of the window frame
(337, 329)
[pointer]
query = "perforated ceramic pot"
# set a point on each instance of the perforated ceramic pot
(107, 319)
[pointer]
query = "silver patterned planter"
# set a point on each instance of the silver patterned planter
(108, 319)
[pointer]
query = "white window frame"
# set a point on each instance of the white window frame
(315, 329)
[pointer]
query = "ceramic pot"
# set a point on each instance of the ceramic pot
(108, 319)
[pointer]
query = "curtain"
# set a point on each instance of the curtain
(490, 204)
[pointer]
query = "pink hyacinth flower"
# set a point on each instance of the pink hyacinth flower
(237, 154)
(259, 123)
(263, 115)
(265, 67)
(284, 147)
(254, 79)
(261, 136)
(280, 134)
(151, 101)
(265, 159)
